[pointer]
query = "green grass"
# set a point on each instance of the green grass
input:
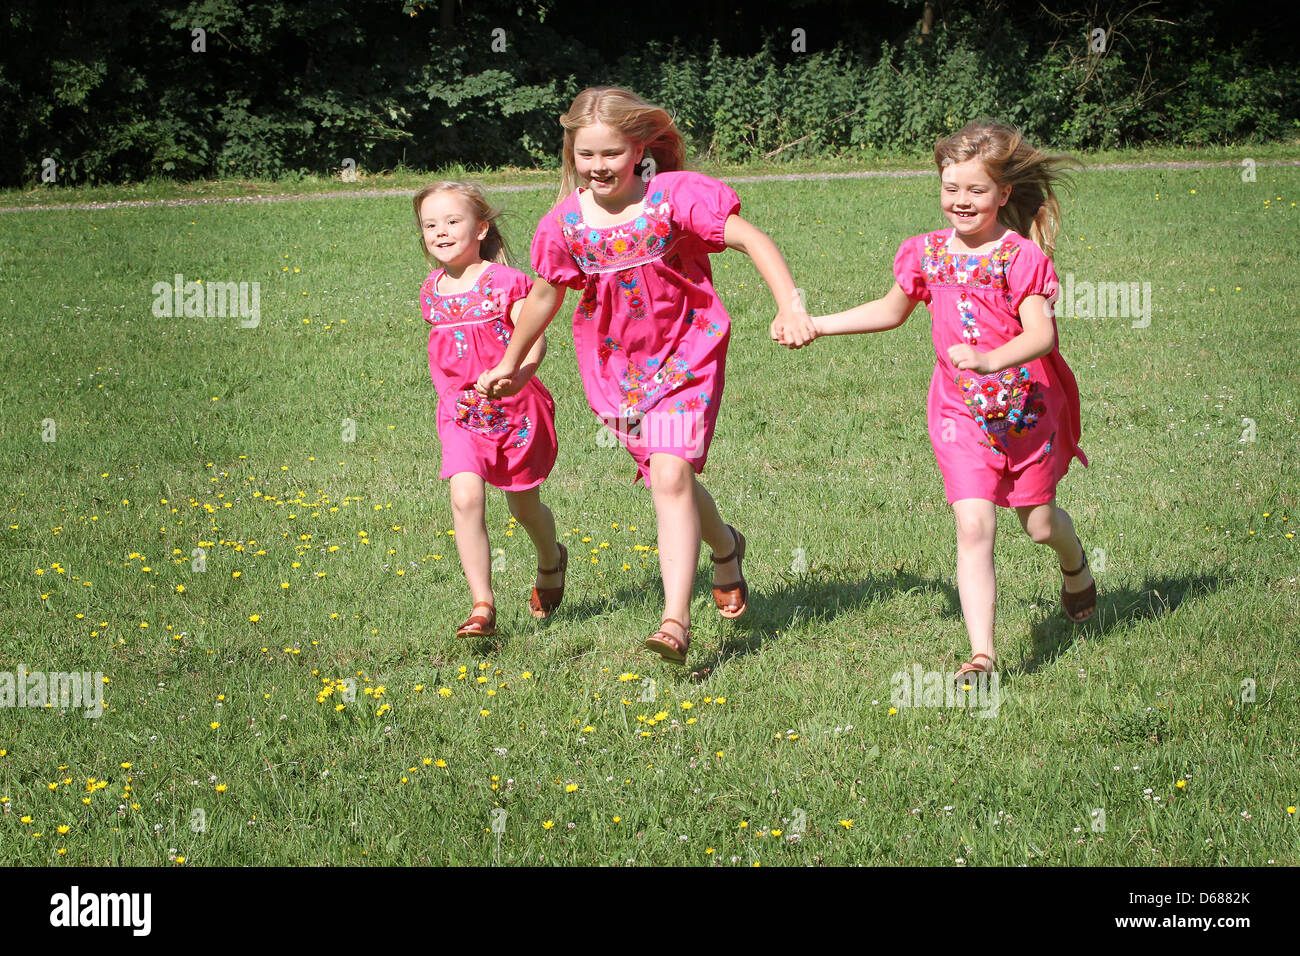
(824, 450)
(46, 195)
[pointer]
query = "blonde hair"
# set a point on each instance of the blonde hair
(645, 124)
(493, 247)
(1034, 176)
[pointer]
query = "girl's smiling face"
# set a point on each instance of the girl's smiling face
(971, 199)
(605, 161)
(451, 232)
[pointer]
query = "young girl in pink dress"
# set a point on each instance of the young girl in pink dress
(1003, 407)
(471, 299)
(635, 237)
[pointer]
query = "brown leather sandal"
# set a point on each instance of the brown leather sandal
(1078, 605)
(479, 625)
(545, 600)
(970, 667)
(670, 648)
(732, 596)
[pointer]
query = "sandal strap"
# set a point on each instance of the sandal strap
(564, 561)
(735, 546)
(686, 632)
(479, 604)
(1079, 569)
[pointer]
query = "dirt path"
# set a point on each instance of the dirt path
(775, 177)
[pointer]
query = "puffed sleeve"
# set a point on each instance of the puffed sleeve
(517, 286)
(1030, 273)
(551, 257)
(907, 269)
(426, 297)
(700, 205)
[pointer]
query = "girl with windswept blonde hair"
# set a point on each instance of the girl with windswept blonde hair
(1003, 407)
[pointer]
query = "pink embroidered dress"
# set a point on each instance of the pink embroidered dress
(650, 332)
(509, 442)
(1006, 437)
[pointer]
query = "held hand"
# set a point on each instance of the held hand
(967, 358)
(510, 385)
(490, 381)
(796, 328)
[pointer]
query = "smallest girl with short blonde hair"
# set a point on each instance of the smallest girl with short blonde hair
(1003, 407)
(471, 299)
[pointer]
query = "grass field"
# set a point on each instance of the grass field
(1162, 732)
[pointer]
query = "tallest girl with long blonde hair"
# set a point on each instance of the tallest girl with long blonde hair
(633, 231)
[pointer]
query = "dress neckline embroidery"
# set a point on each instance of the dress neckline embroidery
(473, 288)
(948, 250)
(582, 216)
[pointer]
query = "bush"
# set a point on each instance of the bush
(284, 92)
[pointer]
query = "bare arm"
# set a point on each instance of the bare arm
(532, 361)
(1037, 339)
(540, 306)
(888, 312)
(791, 315)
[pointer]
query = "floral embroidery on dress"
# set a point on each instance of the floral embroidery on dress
(501, 332)
(1001, 403)
(615, 248)
(480, 414)
(606, 349)
(702, 323)
(479, 303)
(969, 330)
(587, 305)
(631, 289)
(642, 386)
(695, 403)
(521, 436)
(981, 269)
(1047, 450)
(461, 346)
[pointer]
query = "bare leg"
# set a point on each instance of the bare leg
(468, 499)
(538, 521)
(1047, 524)
(673, 487)
(716, 536)
(976, 581)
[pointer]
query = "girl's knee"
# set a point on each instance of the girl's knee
(1040, 532)
(1040, 524)
(975, 530)
(671, 477)
(466, 499)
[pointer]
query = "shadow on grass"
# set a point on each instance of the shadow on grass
(1116, 607)
(772, 608)
(811, 598)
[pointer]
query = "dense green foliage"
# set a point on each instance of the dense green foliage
(125, 93)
